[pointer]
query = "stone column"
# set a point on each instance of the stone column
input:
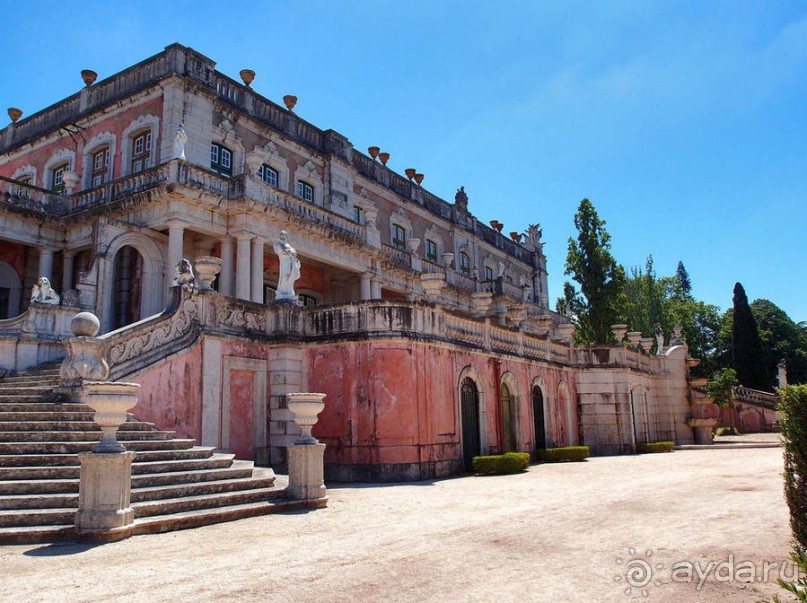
(375, 287)
(226, 280)
(46, 263)
(366, 291)
(67, 271)
(176, 236)
(257, 270)
(242, 276)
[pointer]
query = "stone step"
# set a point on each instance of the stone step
(82, 436)
(206, 501)
(59, 472)
(37, 534)
(40, 486)
(238, 470)
(67, 426)
(57, 415)
(192, 519)
(33, 398)
(72, 447)
(40, 406)
(51, 500)
(36, 517)
(179, 491)
(66, 459)
(25, 390)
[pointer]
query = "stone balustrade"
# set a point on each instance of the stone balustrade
(753, 396)
(34, 336)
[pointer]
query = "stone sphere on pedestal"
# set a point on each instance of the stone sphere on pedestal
(85, 324)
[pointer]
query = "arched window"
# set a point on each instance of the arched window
(469, 411)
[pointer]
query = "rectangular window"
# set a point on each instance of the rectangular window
(141, 152)
(398, 236)
(267, 174)
(358, 214)
(431, 250)
(488, 273)
(57, 181)
(221, 159)
(100, 167)
(305, 191)
(465, 263)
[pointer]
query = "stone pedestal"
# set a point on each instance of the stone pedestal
(306, 474)
(703, 429)
(104, 505)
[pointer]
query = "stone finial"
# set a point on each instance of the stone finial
(88, 76)
(14, 113)
(410, 173)
(85, 324)
(42, 292)
(619, 331)
(373, 150)
(461, 199)
(419, 178)
(433, 284)
(207, 268)
(290, 101)
(86, 354)
(383, 157)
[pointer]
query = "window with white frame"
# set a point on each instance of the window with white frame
(398, 236)
(141, 151)
(100, 167)
(57, 177)
(305, 191)
(358, 214)
(221, 159)
(431, 250)
(268, 175)
(465, 263)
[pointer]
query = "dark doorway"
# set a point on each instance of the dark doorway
(126, 287)
(538, 416)
(509, 443)
(471, 444)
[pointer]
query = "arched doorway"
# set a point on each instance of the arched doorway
(538, 417)
(10, 288)
(127, 282)
(509, 442)
(469, 410)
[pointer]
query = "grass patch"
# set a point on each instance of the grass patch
(726, 431)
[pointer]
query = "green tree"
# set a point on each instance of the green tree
(721, 389)
(749, 359)
(643, 303)
(781, 339)
(682, 276)
(590, 264)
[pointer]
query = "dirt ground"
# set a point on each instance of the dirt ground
(583, 532)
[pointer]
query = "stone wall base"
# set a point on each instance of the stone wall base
(392, 472)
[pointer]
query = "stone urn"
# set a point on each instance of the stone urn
(412, 245)
(480, 302)
(14, 113)
(247, 76)
(517, 315)
(254, 162)
(71, 180)
(433, 284)
(305, 407)
(207, 267)
(647, 343)
(619, 332)
(290, 101)
(383, 156)
(373, 150)
(88, 76)
(566, 331)
(448, 257)
(635, 338)
(110, 401)
(419, 178)
(410, 173)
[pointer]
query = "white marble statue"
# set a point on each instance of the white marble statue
(183, 274)
(180, 138)
(659, 340)
(289, 268)
(41, 292)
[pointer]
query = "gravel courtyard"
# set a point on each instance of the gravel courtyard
(584, 532)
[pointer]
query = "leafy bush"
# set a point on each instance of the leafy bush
(799, 586)
(564, 453)
(793, 407)
(726, 431)
(650, 447)
(509, 462)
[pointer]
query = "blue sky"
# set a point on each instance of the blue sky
(685, 123)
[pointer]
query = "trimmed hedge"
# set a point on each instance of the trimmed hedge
(793, 406)
(509, 462)
(650, 447)
(564, 453)
(726, 431)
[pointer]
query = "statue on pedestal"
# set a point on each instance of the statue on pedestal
(43, 293)
(289, 268)
(180, 138)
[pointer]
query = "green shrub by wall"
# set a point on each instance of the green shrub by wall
(650, 447)
(509, 462)
(565, 453)
(793, 406)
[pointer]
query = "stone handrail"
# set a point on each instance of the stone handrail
(27, 197)
(34, 336)
(459, 280)
(756, 397)
(432, 267)
(119, 189)
(398, 256)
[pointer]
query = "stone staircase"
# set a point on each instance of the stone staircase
(175, 484)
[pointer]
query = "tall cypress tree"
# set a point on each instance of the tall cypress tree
(682, 276)
(749, 359)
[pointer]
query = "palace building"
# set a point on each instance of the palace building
(429, 331)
